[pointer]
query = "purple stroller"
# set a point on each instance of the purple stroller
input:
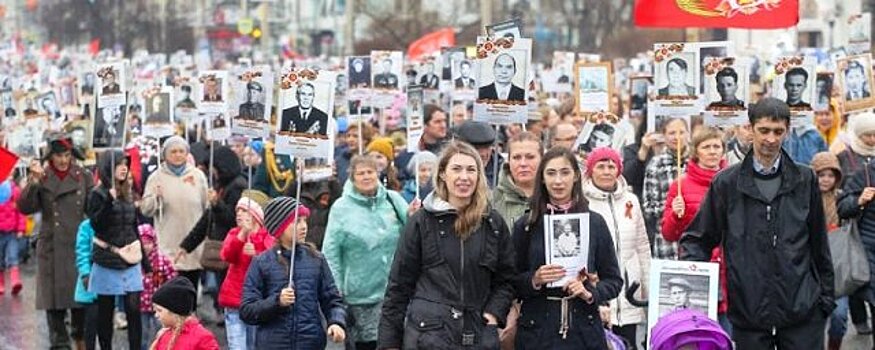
(688, 329)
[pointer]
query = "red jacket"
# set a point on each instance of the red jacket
(238, 264)
(694, 185)
(192, 337)
(11, 219)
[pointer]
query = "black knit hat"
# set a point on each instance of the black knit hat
(60, 143)
(177, 295)
(280, 213)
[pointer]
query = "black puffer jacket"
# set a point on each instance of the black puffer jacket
(221, 217)
(423, 308)
(540, 318)
(778, 265)
(114, 220)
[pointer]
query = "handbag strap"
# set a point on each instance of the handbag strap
(100, 243)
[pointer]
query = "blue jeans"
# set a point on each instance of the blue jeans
(838, 321)
(150, 328)
(241, 336)
(9, 248)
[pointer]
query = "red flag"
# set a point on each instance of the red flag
(7, 163)
(431, 43)
(94, 47)
(753, 14)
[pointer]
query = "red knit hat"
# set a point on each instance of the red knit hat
(600, 154)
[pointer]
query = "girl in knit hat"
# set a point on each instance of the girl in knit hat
(241, 245)
(159, 272)
(829, 175)
(289, 315)
(174, 303)
(383, 151)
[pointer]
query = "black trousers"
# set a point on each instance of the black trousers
(105, 313)
(58, 335)
(809, 335)
(193, 276)
(91, 326)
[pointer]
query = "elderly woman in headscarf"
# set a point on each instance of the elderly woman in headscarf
(176, 196)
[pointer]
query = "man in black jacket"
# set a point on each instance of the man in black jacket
(767, 215)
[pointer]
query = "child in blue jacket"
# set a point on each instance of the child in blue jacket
(288, 316)
(82, 296)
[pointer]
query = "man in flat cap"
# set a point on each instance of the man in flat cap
(679, 292)
(482, 137)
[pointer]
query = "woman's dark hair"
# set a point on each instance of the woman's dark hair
(540, 197)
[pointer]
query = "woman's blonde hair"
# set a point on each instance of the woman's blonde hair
(176, 329)
(705, 134)
(469, 217)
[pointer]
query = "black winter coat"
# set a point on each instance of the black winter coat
(114, 220)
(539, 321)
(423, 308)
(222, 216)
(849, 208)
(778, 265)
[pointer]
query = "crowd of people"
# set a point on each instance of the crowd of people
(443, 247)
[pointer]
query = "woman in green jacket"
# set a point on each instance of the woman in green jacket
(360, 240)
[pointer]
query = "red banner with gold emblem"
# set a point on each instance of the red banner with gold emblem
(751, 14)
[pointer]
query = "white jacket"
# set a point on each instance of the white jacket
(625, 219)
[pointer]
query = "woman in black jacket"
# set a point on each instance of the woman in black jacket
(114, 219)
(566, 317)
(450, 283)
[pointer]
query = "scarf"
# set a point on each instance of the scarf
(559, 207)
(60, 174)
(861, 148)
(177, 170)
(829, 209)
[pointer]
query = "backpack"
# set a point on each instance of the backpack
(688, 327)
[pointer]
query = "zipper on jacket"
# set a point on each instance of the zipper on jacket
(619, 254)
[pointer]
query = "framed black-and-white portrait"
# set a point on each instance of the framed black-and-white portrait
(639, 88)
(109, 126)
(561, 73)
(47, 104)
(387, 71)
(218, 126)
(86, 82)
(7, 101)
(449, 56)
(597, 134)
(415, 123)
(112, 84)
(824, 87)
(566, 243)
(511, 29)
(82, 136)
(795, 83)
(358, 72)
(387, 77)
(727, 92)
(213, 91)
(23, 140)
(253, 95)
(676, 80)
(185, 108)
(502, 93)
(855, 77)
(428, 73)
(707, 51)
(676, 285)
(464, 74)
(860, 33)
(158, 119)
(305, 121)
(595, 85)
(67, 98)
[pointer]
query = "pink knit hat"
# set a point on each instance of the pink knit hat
(600, 154)
(253, 208)
(147, 232)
